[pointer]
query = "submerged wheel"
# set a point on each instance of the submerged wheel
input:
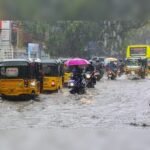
(72, 92)
(143, 76)
(112, 78)
(3, 97)
(33, 95)
(58, 89)
(98, 78)
(81, 91)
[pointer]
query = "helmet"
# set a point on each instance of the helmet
(115, 62)
(91, 62)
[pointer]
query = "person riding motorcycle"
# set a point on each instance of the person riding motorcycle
(100, 68)
(77, 73)
(79, 86)
(112, 66)
(91, 68)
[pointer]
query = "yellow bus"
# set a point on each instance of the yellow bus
(139, 51)
(142, 51)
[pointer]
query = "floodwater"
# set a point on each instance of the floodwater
(112, 104)
(105, 118)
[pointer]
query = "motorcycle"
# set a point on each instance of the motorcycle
(77, 85)
(90, 79)
(99, 74)
(111, 74)
(120, 71)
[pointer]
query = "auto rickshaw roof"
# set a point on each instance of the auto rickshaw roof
(17, 62)
(51, 61)
(64, 59)
(24, 60)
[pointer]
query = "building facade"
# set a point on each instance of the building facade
(6, 48)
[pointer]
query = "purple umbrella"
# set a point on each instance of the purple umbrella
(77, 62)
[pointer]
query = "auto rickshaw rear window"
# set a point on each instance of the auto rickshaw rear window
(50, 70)
(14, 63)
(14, 72)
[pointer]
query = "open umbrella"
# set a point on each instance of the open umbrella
(76, 62)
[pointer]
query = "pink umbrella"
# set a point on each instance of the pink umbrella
(76, 62)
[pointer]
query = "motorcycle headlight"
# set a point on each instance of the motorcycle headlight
(32, 83)
(71, 84)
(87, 76)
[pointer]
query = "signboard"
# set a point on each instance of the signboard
(138, 51)
(6, 25)
(12, 72)
(5, 35)
(33, 50)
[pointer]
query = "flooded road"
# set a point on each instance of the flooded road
(119, 104)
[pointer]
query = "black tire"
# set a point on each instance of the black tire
(98, 78)
(101, 75)
(113, 78)
(72, 91)
(33, 96)
(81, 91)
(58, 89)
(92, 85)
(143, 76)
(3, 97)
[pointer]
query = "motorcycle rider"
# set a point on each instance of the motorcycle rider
(77, 72)
(91, 68)
(112, 66)
(78, 78)
(100, 67)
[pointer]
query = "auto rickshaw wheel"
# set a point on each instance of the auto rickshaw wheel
(3, 97)
(143, 75)
(98, 78)
(33, 95)
(58, 89)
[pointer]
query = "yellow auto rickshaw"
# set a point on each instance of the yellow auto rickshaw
(52, 75)
(19, 77)
(67, 74)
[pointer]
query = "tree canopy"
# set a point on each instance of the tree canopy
(50, 10)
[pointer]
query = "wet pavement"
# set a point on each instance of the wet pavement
(118, 104)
